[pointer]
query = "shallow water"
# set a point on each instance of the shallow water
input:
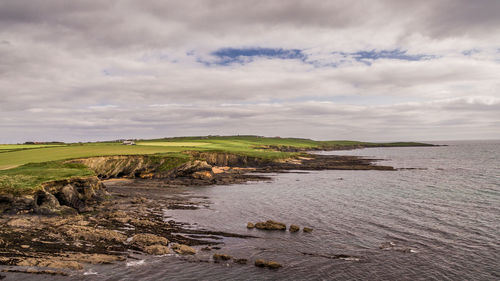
(443, 222)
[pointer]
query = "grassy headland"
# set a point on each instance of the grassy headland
(25, 167)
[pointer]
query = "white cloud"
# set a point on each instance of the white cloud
(104, 70)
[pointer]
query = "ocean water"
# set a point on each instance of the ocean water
(440, 221)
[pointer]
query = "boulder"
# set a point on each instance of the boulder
(183, 249)
(307, 229)
(221, 257)
(269, 264)
(69, 196)
(203, 175)
(6, 202)
(250, 225)
(271, 225)
(146, 239)
(46, 203)
(156, 250)
(294, 228)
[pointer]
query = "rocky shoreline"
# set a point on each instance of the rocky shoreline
(67, 225)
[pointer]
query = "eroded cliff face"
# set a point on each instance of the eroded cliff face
(228, 159)
(131, 166)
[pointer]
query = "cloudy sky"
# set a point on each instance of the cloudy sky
(364, 70)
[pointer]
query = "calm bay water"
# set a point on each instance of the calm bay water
(442, 222)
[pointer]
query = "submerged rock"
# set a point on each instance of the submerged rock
(271, 225)
(250, 225)
(294, 228)
(307, 229)
(240, 261)
(269, 264)
(183, 249)
(221, 257)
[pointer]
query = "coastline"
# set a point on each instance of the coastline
(103, 228)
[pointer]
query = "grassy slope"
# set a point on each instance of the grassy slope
(24, 167)
(24, 178)
(20, 157)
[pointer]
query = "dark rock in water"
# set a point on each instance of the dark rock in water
(269, 264)
(206, 249)
(386, 245)
(240, 261)
(307, 229)
(221, 257)
(250, 225)
(2, 276)
(294, 228)
(271, 225)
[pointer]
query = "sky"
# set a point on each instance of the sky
(388, 70)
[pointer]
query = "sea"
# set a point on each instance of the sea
(437, 217)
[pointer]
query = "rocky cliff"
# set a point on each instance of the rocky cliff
(228, 159)
(57, 197)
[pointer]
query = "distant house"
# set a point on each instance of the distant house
(128, 142)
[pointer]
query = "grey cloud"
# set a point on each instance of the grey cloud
(54, 55)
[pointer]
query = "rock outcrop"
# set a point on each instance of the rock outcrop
(294, 228)
(228, 159)
(156, 250)
(307, 229)
(221, 257)
(183, 249)
(146, 239)
(63, 197)
(130, 166)
(270, 225)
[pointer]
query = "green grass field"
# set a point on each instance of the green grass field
(23, 167)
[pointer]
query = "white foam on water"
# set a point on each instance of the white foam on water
(135, 263)
(90, 272)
